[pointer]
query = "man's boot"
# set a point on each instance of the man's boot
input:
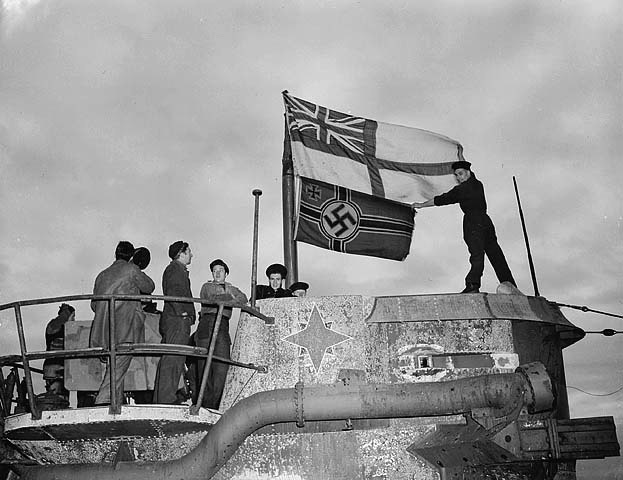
(471, 288)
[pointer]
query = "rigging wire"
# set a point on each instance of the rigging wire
(244, 386)
(584, 308)
(597, 394)
(606, 332)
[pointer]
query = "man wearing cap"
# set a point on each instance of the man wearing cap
(121, 278)
(216, 290)
(141, 258)
(53, 368)
(299, 289)
(478, 229)
(276, 274)
(175, 322)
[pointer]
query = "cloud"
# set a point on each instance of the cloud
(148, 122)
(14, 12)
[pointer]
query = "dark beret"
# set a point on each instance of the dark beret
(141, 257)
(176, 248)
(461, 164)
(218, 261)
(277, 268)
(299, 286)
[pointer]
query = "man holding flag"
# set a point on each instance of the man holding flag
(478, 229)
(361, 180)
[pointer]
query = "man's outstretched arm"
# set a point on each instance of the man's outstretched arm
(427, 203)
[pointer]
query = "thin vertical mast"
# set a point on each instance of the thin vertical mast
(290, 255)
(256, 220)
(525, 236)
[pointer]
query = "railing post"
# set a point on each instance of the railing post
(5, 406)
(194, 409)
(36, 414)
(115, 407)
(256, 220)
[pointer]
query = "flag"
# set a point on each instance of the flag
(336, 218)
(388, 161)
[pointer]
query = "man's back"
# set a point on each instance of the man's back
(121, 278)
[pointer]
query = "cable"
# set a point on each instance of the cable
(586, 309)
(597, 394)
(606, 332)
(244, 386)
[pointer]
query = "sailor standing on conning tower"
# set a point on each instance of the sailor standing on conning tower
(478, 229)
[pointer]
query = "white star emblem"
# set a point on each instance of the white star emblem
(316, 338)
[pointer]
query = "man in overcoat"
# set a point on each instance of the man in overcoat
(121, 278)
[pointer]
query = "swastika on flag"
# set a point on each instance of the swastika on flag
(340, 220)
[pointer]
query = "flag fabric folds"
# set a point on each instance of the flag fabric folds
(388, 161)
(340, 219)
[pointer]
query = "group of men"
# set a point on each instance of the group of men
(126, 277)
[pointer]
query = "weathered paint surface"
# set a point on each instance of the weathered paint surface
(368, 454)
(104, 451)
(363, 339)
(351, 339)
(91, 435)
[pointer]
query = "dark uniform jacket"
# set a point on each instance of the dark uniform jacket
(266, 291)
(470, 195)
(176, 283)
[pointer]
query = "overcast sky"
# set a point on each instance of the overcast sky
(152, 121)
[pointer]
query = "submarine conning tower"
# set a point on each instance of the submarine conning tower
(450, 386)
(355, 339)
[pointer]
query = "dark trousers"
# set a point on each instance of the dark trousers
(121, 368)
(171, 367)
(218, 371)
(479, 235)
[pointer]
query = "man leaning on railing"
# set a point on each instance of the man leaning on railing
(216, 290)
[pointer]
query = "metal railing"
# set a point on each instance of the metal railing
(23, 359)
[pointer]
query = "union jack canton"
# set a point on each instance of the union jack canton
(387, 161)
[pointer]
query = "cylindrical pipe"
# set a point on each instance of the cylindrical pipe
(256, 221)
(502, 392)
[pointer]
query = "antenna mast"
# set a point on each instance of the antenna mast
(525, 236)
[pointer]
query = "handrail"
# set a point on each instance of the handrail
(121, 349)
(134, 349)
(168, 298)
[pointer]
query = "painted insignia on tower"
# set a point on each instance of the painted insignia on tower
(316, 338)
